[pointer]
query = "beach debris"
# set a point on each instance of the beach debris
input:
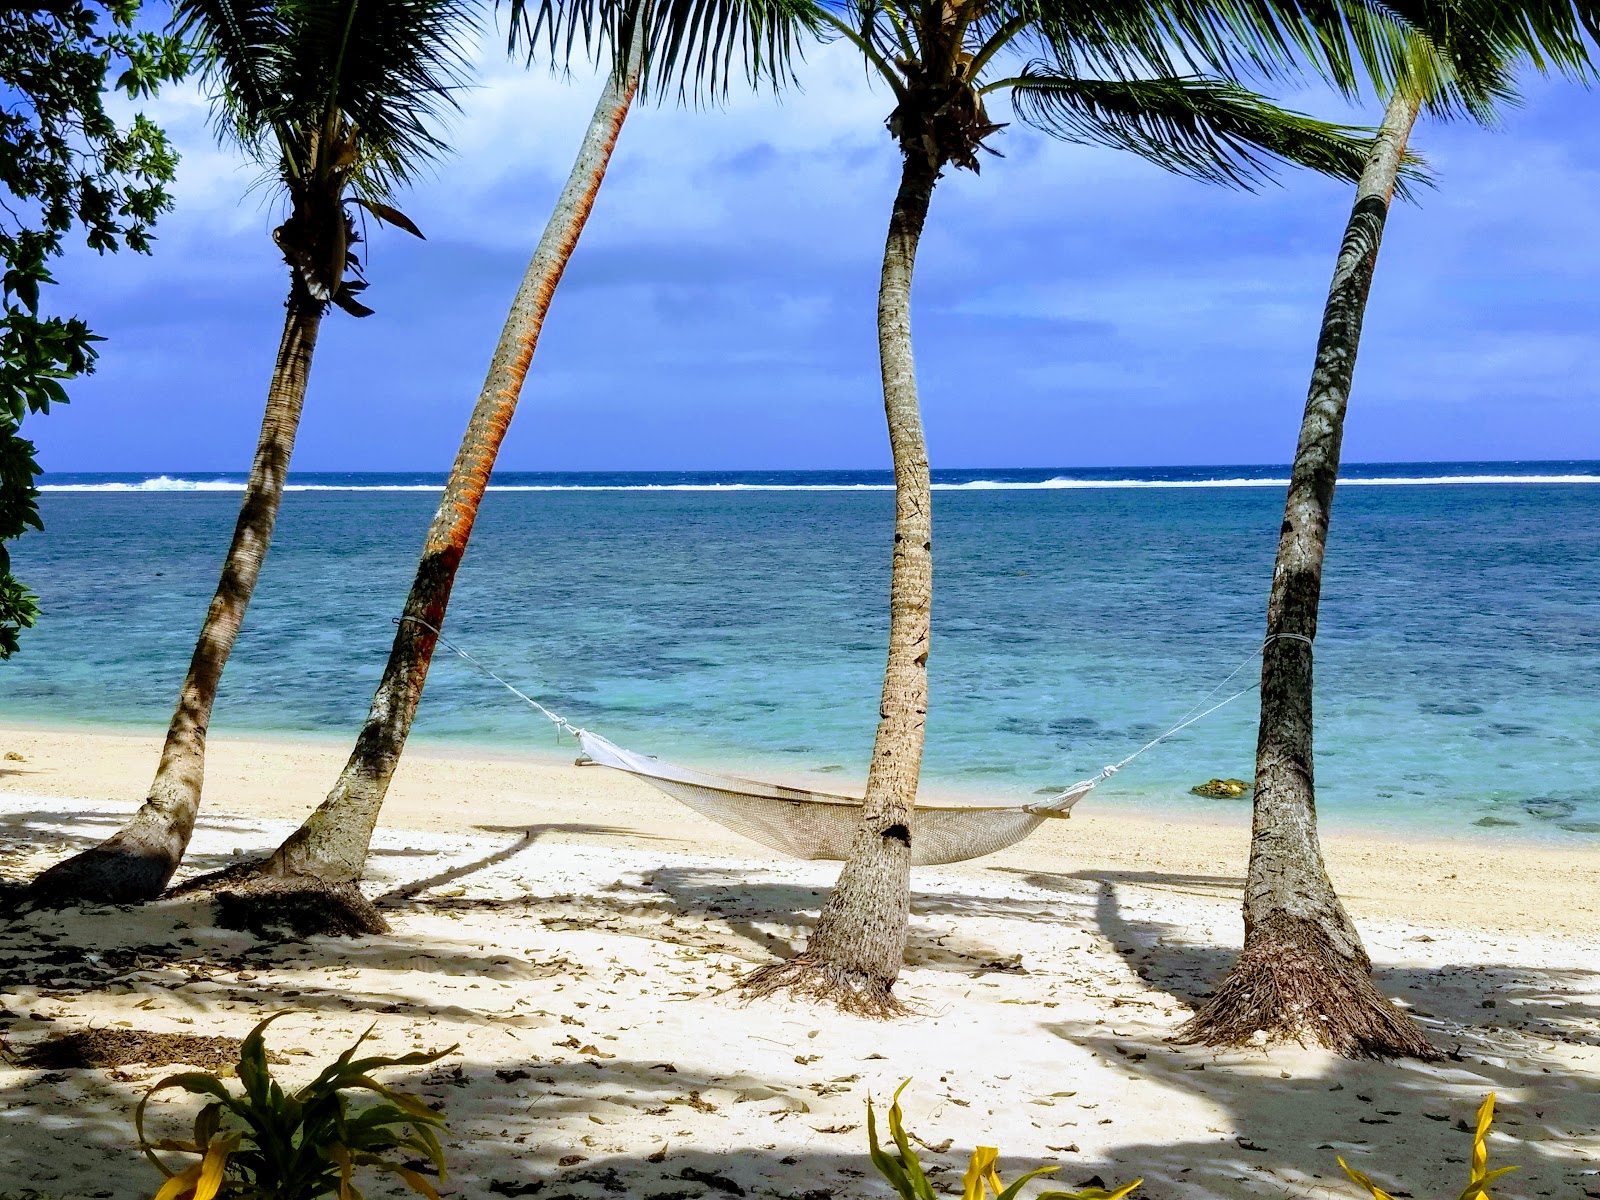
(125, 1047)
(711, 1179)
(505, 1187)
(659, 1156)
(1221, 789)
(1009, 965)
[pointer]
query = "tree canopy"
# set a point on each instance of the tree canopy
(66, 165)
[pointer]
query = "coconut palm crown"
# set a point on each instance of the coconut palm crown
(336, 99)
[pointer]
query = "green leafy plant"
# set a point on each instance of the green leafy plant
(904, 1171)
(270, 1145)
(1481, 1177)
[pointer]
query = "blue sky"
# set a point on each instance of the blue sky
(1075, 307)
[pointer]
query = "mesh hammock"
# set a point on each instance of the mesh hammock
(820, 825)
(807, 824)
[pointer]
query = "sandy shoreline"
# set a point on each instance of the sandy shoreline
(1515, 887)
(577, 935)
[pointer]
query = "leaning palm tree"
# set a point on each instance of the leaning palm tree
(1303, 974)
(334, 99)
(312, 879)
(1097, 71)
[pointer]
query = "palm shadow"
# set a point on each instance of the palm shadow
(394, 897)
(1507, 1028)
(23, 834)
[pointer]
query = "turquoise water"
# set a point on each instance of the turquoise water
(738, 620)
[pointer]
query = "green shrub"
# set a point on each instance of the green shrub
(269, 1145)
(905, 1175)
(1480, 1178)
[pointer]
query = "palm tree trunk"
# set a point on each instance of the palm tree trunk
(310, 881)
(136, 862)
(1303, 974)
(854, 955)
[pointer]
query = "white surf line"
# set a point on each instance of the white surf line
(164, 484)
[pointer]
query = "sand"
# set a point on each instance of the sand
(576, 934)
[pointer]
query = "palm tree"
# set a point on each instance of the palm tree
(333, 98)
(1303, 974)
(311, 880)
(1098, 71)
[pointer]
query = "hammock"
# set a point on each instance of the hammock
(807, 824)
(820, 825)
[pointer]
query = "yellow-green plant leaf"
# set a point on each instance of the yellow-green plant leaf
(417, 1183)
(1015, 1186)
(1377, 1192)
(206, 1122)
(887, 1166)
(1480, 1139)
(212, 1167)
(177, 1185)
(1480, 1187)
(908, 1156)
(253, 1071)
(1093, 1193)
(341, 1159)
(979, 1169)
(196, 1082)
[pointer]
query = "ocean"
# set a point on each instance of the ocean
(737, 621)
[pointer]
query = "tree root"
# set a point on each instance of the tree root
(278, 907)
(808, 978)
(1291, 985)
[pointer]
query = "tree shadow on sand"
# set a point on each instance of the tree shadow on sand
(1508, 1028)
(520, 1127)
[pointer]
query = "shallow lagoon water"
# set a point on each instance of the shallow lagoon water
(738, 621)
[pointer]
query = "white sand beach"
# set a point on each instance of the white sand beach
(577, 934)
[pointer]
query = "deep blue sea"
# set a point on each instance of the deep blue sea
(738, 620)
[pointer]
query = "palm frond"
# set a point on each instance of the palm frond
(1205, 128)
(385, 71)
(1456, 54)
(696, 47)
(241, 47)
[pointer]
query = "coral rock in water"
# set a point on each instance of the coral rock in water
(1221, 789)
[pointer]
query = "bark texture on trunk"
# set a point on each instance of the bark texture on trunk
(310, 883)
(135, 863)
(854, 955)
(1303, 974)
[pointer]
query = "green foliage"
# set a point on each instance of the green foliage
(65, 165)
(1479, 1177)
(904, 1171)
(267, 1144)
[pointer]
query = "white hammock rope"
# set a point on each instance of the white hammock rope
(810, 824)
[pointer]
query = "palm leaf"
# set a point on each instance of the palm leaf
(241, 45)
(1455, 54)
(385, 71)
(697, 47)
(1207, 129)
